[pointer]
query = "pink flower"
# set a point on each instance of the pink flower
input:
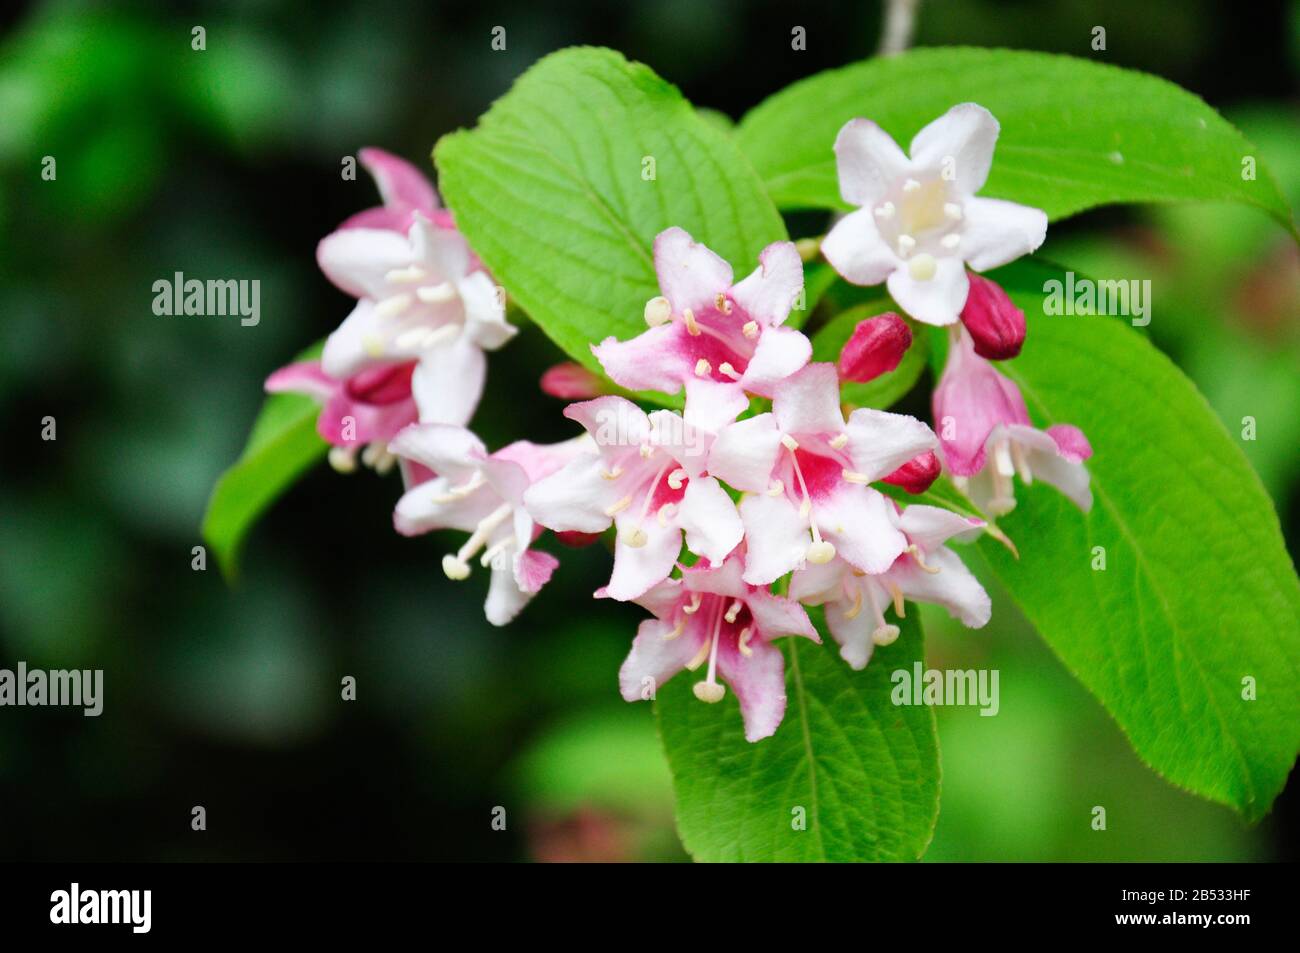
(927, 571)
(875, 347)
(917, 474)
(919, 224)
(806, 473)
(571, 381)
(986, 437)
(705, 327)
(481, 494)
(364, 411)
(711, 615)
(647, 477)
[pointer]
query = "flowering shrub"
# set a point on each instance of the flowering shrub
(737, 456)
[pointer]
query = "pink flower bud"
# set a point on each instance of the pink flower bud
(995, 324)
(575, 539)
(876, 347)
(916, 475)
(570, 381)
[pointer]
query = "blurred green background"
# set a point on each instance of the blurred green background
(225, 163)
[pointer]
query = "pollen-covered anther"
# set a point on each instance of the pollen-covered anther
(911, 185)
(634, 536)
(952, 210)
(733, 610)
(722, 303)
(407, 275)
(613, 474)
(726, 370)
(897, 595)
(675, 631)
(776, 488)
(491, 553)
(789, 442)
(703, 368)
(692, 327)
(852, 612)
(343, 459)
(920, 560)
(615, 508)
(455, 567)
(658, 311)
(710, 692)
(373, 345)
(853, 476)
(742, 642)
(821, 552)
(436, 294)
(677, 478)
(393, 305)
(839, 441)
(666, 512)
(885, 635)
(694, 605)
(750, 329)
(950, 241)
(885, 211)
(905, 245)
(922, 267)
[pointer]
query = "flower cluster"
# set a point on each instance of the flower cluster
(760, 496)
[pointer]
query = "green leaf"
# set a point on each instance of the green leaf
(1075, 134)
(887, 388)
(864, 771)
(283, 445)
(1198, 593)
(549, 190)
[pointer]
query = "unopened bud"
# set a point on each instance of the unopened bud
(995, 324)
(875, 348)
(916, 475)
(570, 381)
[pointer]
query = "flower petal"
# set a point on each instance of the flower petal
(776, 616)
(996, 232)
(808, 402)
(656, 359)
(448, 382)
(758, 679)
(352, 346)
(858, 521)
(401, 184)
(971, 399)
(450, 451)
(358, 260)
(425, 508)
(711, 405)
(780, 352)
(770, 290)
(654, 659)
(485, 313)
(939, 299)
(857, 251)
(744, 453)
(776, 538)
(852, 630)
(881, 442)
(1070, 442)
(953, 586)
(931, 526)
(709, 519)
(638, 568)
(966, 133)
(614, 423)
(574, 499)
(868, 162)
(305, 377)
(690, 275)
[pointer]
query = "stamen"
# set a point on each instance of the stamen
(393, 305)
(492, 551)
(734, 610)
(385, 463)
(702, 368)
(692, 327)
(920, 560)
(677, 630)
(343, 459)
(408, 275)
(462, 490)
(658, 311)
(839, 441)
(950, 241)
(952, 210)
(436, 294)
(742, 643)
(727, 370)
(885, 211)
(885, 635)
(854, 477)
(456, 569)
(789, 442)
(820, 551)
(647, 451)
(709, 690)
(635, 537)
(721, 303)
(373, 344)
(676, 478)
(898, 600)
(700, 656)
(616, 508)
(905, 245)
(1022, 464)
(750, 329)
(613, 474)
(666, 512)
(694, 606)
(455, 566)
(776, 489)
(911, 185)
(857, 603)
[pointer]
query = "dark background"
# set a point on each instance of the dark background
(226, 163)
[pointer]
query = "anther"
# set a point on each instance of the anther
(658, 311)
(692, 327)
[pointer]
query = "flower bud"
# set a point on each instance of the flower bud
(995, 324)
(576, 539)
(875, 348)
(570, 381)
(916, 475)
